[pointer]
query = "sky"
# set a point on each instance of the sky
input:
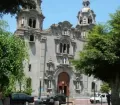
(60, 10)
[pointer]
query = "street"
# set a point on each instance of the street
(86, 102)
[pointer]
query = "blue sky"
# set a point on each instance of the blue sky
(60, 10)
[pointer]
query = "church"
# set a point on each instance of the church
(51, 50)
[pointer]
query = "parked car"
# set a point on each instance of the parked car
(58, 97)
(99, 98)
(41, 100)
(21, 97)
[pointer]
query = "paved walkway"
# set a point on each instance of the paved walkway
(86, 102)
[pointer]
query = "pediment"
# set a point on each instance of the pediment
(65, 25)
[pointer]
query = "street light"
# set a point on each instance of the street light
(40, 88)
(94, 90)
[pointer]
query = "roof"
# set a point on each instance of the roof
(85, 9)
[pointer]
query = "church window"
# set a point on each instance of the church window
(61, 47)
(22, 23)
(92, 85)
(29, 67)
(64, 48)
(68, 47)
(89, 20)
(87, 4)
(31, 7)
(74, 49)
(31, 37)
(80, 21)
(32, 22)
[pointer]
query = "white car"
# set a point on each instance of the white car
(99, 98)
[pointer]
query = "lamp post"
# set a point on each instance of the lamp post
(40, 88)
(94, 90)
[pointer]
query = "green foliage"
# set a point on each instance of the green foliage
(11, 87)
(3, 25)
(101, 54)
(28, 88)
(12, 54)
(105, 88)
(28, 91)
(97, 53)
(14, 6)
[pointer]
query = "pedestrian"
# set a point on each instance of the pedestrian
(1, 101)
(108, 98)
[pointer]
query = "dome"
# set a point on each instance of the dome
(85, 9)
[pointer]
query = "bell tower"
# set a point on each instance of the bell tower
(86, 18)
(31, 17)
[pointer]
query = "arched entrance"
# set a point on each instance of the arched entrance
(63, 83)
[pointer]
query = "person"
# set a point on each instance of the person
(108, 98)
(1, 102)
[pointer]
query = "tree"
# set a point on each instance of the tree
(12, 54)
(105, 88)
(13, 6)
(101, 55)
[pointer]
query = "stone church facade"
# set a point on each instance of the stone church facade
(51, 50)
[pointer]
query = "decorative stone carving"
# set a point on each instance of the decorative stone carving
(62, 25)
(50, 70)
(43, 39)
(78, 82)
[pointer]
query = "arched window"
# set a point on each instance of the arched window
(22, 22)
(29, 67)
(89, 20)
(93, 86)
(61, 47)
(32, 22)
(64, 47)
(31, 37)
(80, 21)
(31, 7)
(68, 47)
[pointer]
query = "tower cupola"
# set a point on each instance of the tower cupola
(86, 16)
(31, 17)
